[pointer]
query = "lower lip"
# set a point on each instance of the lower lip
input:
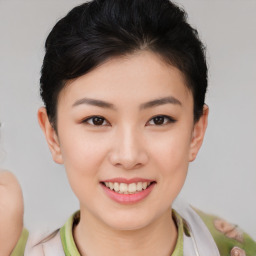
(128, 198)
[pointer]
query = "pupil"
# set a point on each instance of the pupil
(97, 120)
(159, 120)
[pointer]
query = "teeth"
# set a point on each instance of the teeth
(116, 186)
(132, 187)
(110, 185)
(144, 185)
(124, 188)
(139, 186)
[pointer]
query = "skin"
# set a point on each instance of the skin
(128, 144)
(11, 212)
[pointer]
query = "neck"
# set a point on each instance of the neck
(157, 238)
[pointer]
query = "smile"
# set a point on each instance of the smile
(123, 188)
(127, 191)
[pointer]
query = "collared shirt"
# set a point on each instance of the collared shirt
(70, 249)
(199, 234)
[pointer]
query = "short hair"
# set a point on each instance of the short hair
(99, 30)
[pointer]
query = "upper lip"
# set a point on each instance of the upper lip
(127, 181)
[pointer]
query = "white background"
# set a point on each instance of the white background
(223, 178)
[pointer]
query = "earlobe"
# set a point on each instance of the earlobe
(50, 135)
(198, 134)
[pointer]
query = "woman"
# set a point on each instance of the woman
(124, 85)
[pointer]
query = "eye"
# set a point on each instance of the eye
(161, 120)
(96, 121)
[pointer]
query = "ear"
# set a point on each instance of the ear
(198, 134)
(50, 135)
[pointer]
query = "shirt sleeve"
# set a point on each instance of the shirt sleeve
(229, 238)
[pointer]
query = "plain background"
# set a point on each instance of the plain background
(222, 180)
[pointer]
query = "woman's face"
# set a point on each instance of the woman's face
(127, 124)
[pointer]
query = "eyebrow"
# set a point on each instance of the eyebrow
(160, 101)
(94, 102)
(149, 104)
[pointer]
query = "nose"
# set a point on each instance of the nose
(128, 151)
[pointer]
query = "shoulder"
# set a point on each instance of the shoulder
(229, 238)
(40, 245)
(59, 242)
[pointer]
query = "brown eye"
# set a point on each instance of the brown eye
(96, 120)
(158, 120)
(161, 120)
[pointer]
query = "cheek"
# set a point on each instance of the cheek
(170, 155)
(83, 156)
(81, 150)
(173, 163)
(171, 150)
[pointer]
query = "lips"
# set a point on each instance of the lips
(127, 191)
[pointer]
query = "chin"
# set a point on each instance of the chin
(128, 220)
(127, 225)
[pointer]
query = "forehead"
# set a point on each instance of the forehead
(131, 78)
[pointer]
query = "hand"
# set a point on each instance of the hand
(11, 212)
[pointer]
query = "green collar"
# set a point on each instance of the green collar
(70, 249)
(20, 246)
(178, 251)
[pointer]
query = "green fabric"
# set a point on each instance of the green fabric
(20, 246)
(70, 249)
(178, 251)
(225, 243)
(66, 234)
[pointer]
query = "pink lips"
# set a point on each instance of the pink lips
(128, 198)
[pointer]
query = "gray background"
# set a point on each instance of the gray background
(223, 178)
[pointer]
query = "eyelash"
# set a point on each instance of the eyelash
(169, 120)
